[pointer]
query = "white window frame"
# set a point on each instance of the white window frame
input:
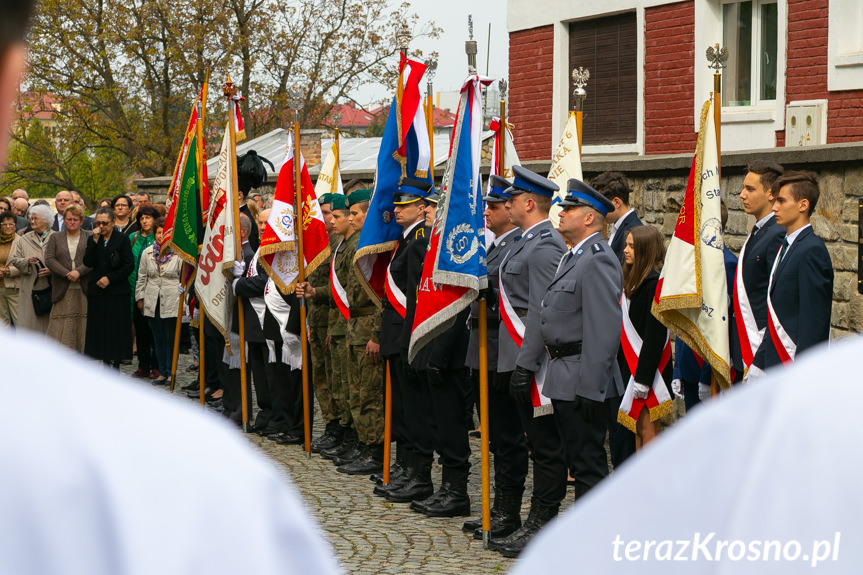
(844, 63)
(743, 127)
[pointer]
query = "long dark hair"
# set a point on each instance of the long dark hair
(649, 253)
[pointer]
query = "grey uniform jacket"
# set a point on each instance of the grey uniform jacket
(583, 305)
(495, 256)
(526, 274)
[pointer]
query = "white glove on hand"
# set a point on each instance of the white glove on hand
(704, 392)
(239, 268)
(181, 289)
(640, 391)
(677, 388)
(234, 286)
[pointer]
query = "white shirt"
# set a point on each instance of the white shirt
(108, 482)
(528, 230)
(617, 225)
(500, 238)
(410, 228)
(770, 461)
(60, 222)
(793, 235)
(760, 223)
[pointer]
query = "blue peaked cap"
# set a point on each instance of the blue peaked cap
(580, 194)
(497, 192)
(526, 181)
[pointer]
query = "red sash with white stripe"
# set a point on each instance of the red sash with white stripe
(747, 328)
(339, 294)
(658, 401)
(515, 327)
(395, 296)
(785, 346)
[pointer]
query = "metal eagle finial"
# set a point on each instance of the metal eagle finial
(295, 97)
(717, 57)
(502, 86)
(403, 36)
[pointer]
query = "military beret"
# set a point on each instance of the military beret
(580, 194)
(339, 202)
(526, 181)
(325, 198)
(358, 197)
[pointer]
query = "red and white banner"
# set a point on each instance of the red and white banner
(747, 327)
(339, 294)
(511, 320)
(239, 127)
(278, 243)
(410, 115)
(785, 346)
(692, 296)
(565, 164)
(658, 401)
(510, 156)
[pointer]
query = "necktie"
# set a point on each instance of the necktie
(568, 257)
(784, 248)
(491, 250)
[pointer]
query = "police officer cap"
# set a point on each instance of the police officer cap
(496, 193)
(339, 202)
(358, 197)
(433, 197)
(325, 198)
(411, 190)
(526, 181)
(580, 194)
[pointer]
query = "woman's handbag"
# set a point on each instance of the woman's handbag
(41, 297)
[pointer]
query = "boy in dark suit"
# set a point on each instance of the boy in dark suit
(615, 187)
(800, 292)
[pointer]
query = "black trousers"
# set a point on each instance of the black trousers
(506, 438)
(621, 441)
(397, 412)
(144, 341)
(549, 468)
(214, 347)
(582, 425)
(417, 415)
(258, 368)
(445, 409)
(292, 380)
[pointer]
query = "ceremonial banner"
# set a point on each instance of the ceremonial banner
(691, 296)
(278, 243)
(566, 164)
(411, 118)
(380, 233)
(184, 221)
(218, 252)
(454, 267)
(329, 178)
(510, 157)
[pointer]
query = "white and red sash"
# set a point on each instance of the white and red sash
(658, 401)
(257, 302)
(394, 294)
(339, 294)
(785, 346)
(747, 328)
(541, 404)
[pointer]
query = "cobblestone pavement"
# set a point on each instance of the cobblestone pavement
(368, 534)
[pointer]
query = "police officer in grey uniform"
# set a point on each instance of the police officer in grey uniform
(525, 276)
(580, 327)
(507, 440)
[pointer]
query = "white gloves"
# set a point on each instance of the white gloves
(640, 390)
(181, 289)
(704, 391)
(677, 388)
(239, 268)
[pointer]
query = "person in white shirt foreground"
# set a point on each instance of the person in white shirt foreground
(108, 482)
(754, 482)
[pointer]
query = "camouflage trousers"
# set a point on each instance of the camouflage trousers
(340, 380)
(321, 371)
(366, 396)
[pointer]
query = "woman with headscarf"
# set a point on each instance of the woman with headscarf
(142, 239)
(157, 299)
(29, 258)
(10, 277)
(109, 324)
(64, 256)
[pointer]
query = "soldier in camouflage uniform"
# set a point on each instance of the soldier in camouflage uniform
(318, 318)
(366, 368)
(337, 326)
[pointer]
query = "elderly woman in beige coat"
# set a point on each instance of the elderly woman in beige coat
(64, 256)
(29, 259)
(10, 277)
(157, 297)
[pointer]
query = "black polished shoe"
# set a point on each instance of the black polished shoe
(381, 490)
(518, 540)
(289, 439)
(419, 485)
(455, 501)
(349, 441)
(194, 387)
(420, 506)
(371, 461)
(350, 456)
(332, 436)
(505, 519)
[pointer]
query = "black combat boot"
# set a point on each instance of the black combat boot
(356, 452)
(371, 460)
(419, 485)
(420, 505)
(333, 435)
(399, 481)
(455, 501)
(506, 520)
(396, 469)
(471, 525)
(349, 441)
(536, 520)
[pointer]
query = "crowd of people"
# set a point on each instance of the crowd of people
(561, 302)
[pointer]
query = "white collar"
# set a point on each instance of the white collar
(496, 241)
(533, 226)
(760, 223)
(577, 246)
(793, 235)
(619, 221)
(411, 228)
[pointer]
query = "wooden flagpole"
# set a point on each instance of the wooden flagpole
(177, 327)
(202, 373)
(229, 90)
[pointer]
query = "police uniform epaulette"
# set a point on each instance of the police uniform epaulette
(420, 233)
(596, 248)
(545, 234)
